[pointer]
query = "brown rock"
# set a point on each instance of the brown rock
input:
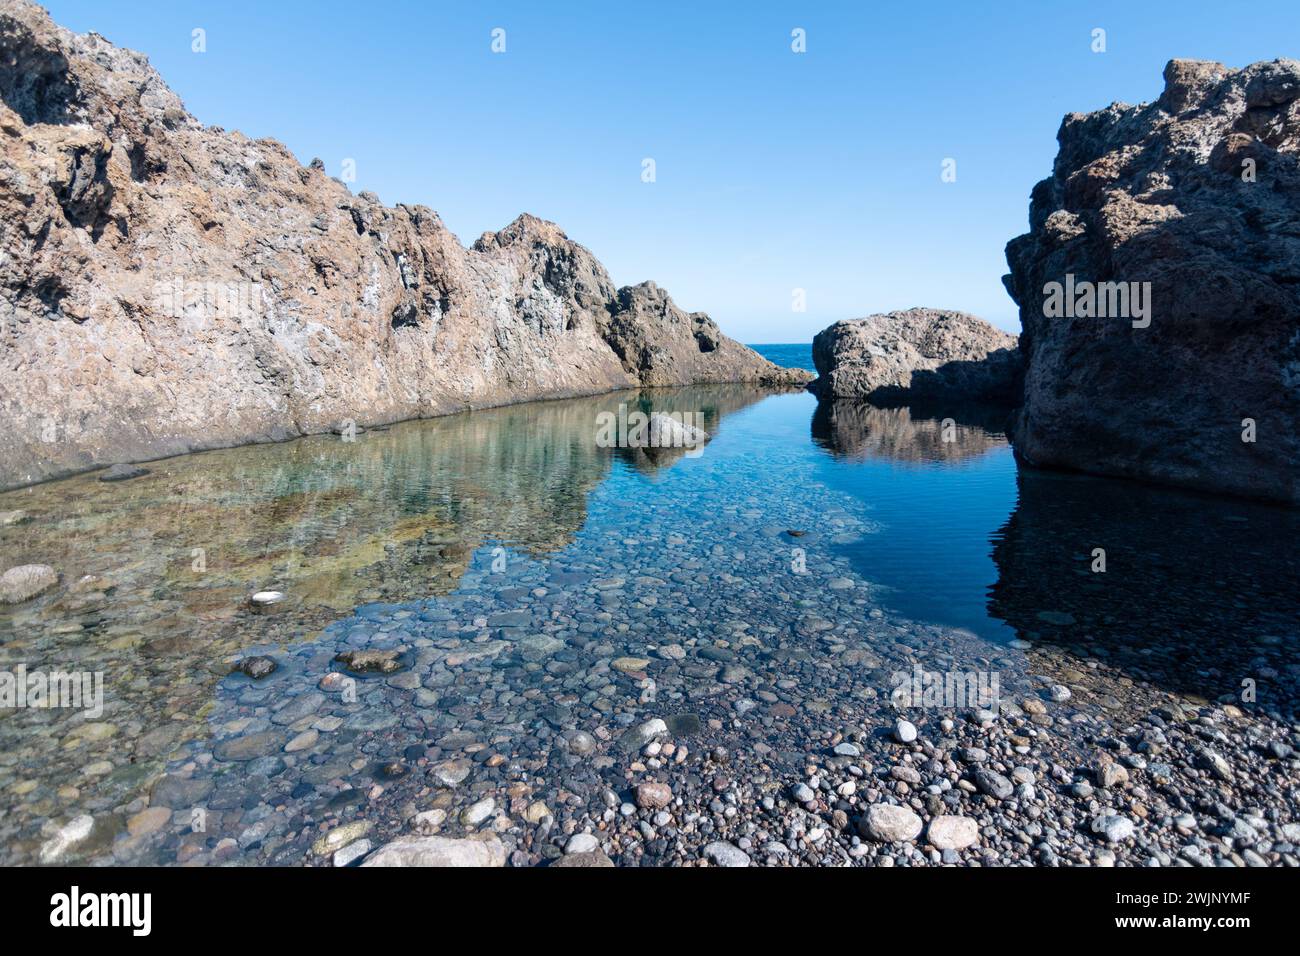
(653, 796)
(596, 858)
(915, 355)
(170, 286)
(1177, 219)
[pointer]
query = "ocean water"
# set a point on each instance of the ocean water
(796, 355)
(522, 581)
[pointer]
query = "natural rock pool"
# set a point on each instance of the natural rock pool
(536, 599)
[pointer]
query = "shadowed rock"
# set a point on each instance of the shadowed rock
(1187, 208)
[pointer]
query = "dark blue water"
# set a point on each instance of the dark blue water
(797, 355)
(969, 539)
(940, 507)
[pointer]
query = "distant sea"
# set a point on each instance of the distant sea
(798, 355)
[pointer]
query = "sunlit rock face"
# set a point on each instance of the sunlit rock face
(917, 355)
(167, 286)
(1159, 287)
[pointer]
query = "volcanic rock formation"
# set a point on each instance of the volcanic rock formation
(1159, 287)
(166, 286)
(916, 354)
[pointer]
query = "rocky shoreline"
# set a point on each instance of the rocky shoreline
(167, 287)
(609, 694)
(1157, 298)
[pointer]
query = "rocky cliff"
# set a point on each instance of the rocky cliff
(916, 354)
(1159, 287)
(166, 286)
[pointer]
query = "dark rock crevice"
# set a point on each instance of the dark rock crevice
(35, 81)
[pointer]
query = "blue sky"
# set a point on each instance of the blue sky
(774, 171)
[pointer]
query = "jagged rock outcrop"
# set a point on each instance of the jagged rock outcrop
(1184, 367)
(916, 354)
(166, 286)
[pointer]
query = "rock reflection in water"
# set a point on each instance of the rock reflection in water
(858, 430)
(156, 571)
(1199, 594)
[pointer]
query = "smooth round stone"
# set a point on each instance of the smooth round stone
(430, 851)
(993, 784)
(263, 598)
(25, 582)
(653, 796)
(887, 823)
(904, 731)
(451, 773)
(581, 743)
(340, 837)
(303, 741)
(351, 853)
(802, 793)
(478, 812)
(582, 843)
(594, 859)
(148, 822)
(1114, 828)
(427, 822)
(847, 750)
(952, 832)
(638, 737)
(726, 854)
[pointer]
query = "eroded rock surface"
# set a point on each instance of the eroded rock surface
(1190, 206)
(167, 286)
(916, 354)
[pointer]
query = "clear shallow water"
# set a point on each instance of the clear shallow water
(509, 562)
